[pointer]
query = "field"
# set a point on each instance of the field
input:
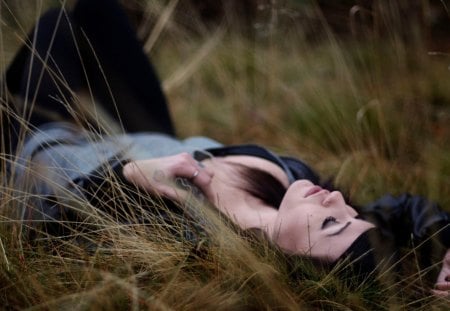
(368, 107)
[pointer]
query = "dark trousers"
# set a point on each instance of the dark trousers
(91, 50)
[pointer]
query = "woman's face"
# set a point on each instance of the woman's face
(315, 222)
(310, 221)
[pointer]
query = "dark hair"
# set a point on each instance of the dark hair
(261, 185)
(269, 189)
(359, 261)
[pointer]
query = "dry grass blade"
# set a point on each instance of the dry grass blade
(159, 26)
(187, 69)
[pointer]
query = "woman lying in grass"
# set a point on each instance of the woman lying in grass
(64, 154)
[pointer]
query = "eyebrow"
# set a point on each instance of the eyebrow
(340, 230)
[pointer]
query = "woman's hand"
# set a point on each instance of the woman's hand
(158, 175)
(442, 286)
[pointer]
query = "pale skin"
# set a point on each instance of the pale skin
(310, 220)
(442, 286)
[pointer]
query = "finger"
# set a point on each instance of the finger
(442, 286)
(439, 293)
(172, 192)
(194, 173)
(443, 278)
(203, 178)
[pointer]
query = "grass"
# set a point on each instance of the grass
(334, 101)
(372, 110)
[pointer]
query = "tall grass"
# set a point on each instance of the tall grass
(377, 101)
(371, 110)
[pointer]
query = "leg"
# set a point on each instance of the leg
(32, 77)
(46, 71)
(134, 85)
(79, 53)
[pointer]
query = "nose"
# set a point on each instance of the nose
(330, 199)
(336, 199)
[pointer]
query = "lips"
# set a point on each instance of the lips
(313, 190)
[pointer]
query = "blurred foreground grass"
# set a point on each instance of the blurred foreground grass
(373, 111)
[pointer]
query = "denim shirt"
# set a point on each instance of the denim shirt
(59, 157)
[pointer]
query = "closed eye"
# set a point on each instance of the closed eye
(328, 221)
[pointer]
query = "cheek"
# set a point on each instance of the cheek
(297, 215)
(297, 237)
(294, 226)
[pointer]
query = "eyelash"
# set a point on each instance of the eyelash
(328, 220)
